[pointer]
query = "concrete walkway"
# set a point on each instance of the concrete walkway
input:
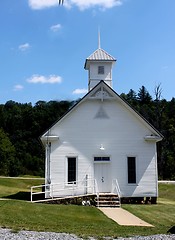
(123, 217)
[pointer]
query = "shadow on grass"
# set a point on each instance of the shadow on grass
(171, 230)
(19, 196)
(25, 196)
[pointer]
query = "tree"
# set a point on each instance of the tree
(143, 96)
(158, 92)
(167, 164)
(9, 166)
(131, 97)
(24, 124)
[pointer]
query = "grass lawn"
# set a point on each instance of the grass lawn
(10, 187)
(80, 220)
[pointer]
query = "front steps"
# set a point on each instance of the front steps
(107, 200)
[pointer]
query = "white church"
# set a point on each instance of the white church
(101, 145)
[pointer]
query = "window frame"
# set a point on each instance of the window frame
(102, 159)
(101, 70)
(68, 182)
(132, 170)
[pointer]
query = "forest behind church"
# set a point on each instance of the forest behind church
(21, 125)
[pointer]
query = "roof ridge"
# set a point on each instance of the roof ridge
(106, 53)
(101, 54)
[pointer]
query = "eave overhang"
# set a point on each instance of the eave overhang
(153, 138)
(87, 62)
(49, 138)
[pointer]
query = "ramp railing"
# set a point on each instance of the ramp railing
(64, 190)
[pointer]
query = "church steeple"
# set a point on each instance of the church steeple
(99, 41)
(99, 65)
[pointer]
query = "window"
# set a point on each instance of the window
(71, 162)
(131, 170)
(101, 70)
(101, 159)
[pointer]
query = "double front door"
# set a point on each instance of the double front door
(103, 177)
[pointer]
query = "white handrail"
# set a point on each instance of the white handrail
(88, 186)
(96, 191)
(115, 187)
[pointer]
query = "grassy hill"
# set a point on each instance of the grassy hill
(17, 212)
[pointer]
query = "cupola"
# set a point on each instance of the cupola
(99, 65)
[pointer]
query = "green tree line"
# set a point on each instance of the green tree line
(21, 125)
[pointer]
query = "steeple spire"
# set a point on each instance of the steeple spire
(99, 43)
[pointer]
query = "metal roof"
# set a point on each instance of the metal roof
(99, 55)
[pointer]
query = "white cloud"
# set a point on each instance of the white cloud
(80, 91)
(55, 28)
(18, 87)
(24, 47)
(40, 4)
(81, 4)
(51, 79)
(103, 4)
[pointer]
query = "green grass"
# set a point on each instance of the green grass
(162, 215)
(80, 220)
(12, 186)
(167, 191)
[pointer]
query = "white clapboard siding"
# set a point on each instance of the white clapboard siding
(95, 122)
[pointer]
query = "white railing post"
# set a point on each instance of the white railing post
(117, 188)
(52, 190)
(96, 191)
(73, 188)
(86, 184)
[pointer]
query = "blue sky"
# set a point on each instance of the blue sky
(43, 46)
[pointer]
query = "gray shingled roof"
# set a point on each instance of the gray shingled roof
(99, 55)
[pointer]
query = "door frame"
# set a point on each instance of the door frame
(109, 179)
